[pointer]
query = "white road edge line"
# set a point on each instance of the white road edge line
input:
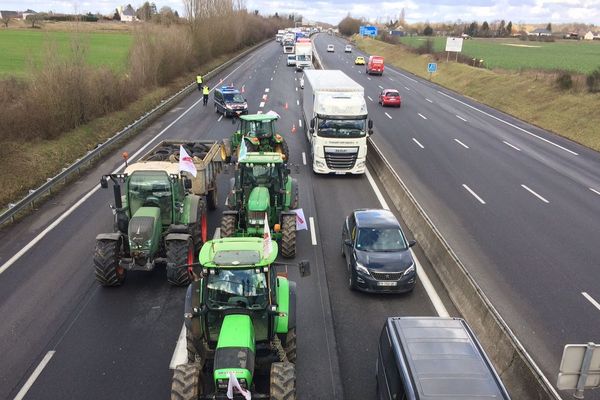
(591, 300)
(313, 235)
(595, 191)
(473, 194)
(220, 118)
(35, 374)
(418, 143)
(369, 97)
(422, 116)
(304, 158)
(407, 77)
(388, 115)
(461, 143)
(429, 289)
(180, 353)
(428, 100)
(64, 215)
(511, 145)
(461, 118)
(509, 124)
(535, 194)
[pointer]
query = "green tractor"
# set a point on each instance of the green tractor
(240, 320)
(157, 221)
(262, 186)
(259, 134)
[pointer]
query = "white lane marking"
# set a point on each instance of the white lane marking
(259, 112)
(407, 88)
(380, 87)
(304, 158)
(359, 72)
(388, 115)
(429, 289)
(369, 97)
(296, 88)
(461, 118)
(422, 116)
(595, 191)
(300, 123)
(313, 235)
(461, 143)
(267, 90)
(273, 71)
(535, 194)
(368, 78)
(474, 194)
(511, 145)
(297, 102)
(428, 100)
(509, 124)
(418, 143)
(64, 215)
(220, 118)
(391, 79)
(180, 354)
(271, 78)
(262, 104)
(36, 373)
(265, 97)
(591, 300)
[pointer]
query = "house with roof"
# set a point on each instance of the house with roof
(540, 32)
(590, 36)
(5, 14)
(127, 13)
(28, 13)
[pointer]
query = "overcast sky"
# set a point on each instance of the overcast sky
(332, 11)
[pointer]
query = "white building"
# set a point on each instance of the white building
(127, 13)
(589, 36)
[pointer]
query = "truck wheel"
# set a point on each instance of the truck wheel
(228, 225)
(212, 199)
(106, 263)
(283, 381)
(288, 236)
(179, 254)
(289, 345)
(187, 382)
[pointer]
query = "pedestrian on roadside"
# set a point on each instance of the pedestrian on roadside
(199, 82)
(205, 92)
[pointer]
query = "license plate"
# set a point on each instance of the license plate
(386, 283)
(340, 173)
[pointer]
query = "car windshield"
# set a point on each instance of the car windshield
(243, 288)
(391, 94)
(234, 98)
(341, 128)
(380, 239)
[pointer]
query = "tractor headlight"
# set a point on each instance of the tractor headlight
(222, 384)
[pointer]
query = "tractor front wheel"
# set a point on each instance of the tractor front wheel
(228, 225)
(288, 236)
(106, 263)
(187, 382)
(283, 381)
(179, 254)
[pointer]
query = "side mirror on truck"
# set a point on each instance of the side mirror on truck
(370, 125)
(312, 126)
(104, 182)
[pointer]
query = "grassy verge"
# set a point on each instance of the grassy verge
(531, 97)
(30, 163)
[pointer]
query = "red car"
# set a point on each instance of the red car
(390, 97)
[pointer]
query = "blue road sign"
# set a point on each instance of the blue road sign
(365, 30)
(431, 67)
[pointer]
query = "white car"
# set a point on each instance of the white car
(291, 59)
(330, 48)
(348, 49)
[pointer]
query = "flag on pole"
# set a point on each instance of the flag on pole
(234, 384)
(186, 163)
(243, 150)
(267, 245)
(300, 220)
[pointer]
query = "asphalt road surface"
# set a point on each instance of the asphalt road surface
(63, 336)
(519, 205)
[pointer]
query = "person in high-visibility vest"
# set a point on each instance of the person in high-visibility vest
(199, 82)
(205, 93)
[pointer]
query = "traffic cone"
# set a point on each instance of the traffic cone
(293, 128)
(243, 90)
(286, 106)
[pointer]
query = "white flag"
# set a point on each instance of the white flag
(243, 150)
(267, 245)
(186, 163)
(235, 384)
(301, 224)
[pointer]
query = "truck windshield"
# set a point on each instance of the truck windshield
(341, 128)
(303, 57)
(242, 288)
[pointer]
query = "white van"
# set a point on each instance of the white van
(348, 49)
(330, 48)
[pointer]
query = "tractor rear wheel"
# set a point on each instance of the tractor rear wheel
(288, 236)
(283, 149)
(106, 263)
(187, 382)
(290, 345)
(283, 381)
(228, 225)
(179, 254)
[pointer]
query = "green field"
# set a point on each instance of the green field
(512, 54)
(22, 47)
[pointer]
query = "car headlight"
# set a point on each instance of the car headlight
(409, 270)
(361, 268)
(228, 106)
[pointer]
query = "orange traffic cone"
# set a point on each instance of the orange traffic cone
(243, 90)
(294, 128)
(286, 106)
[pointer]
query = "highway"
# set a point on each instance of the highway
(519, 205)
(63, 336)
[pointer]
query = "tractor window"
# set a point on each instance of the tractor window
(237, 289)
(259, 129)
(151, 189)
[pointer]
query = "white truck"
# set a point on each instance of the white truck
(288, 43)
(336, 121)
(303, 53)
(279, 35)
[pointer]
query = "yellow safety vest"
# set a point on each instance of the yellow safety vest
(205, 90)
(199, 79)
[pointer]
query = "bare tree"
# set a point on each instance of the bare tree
(5, 21)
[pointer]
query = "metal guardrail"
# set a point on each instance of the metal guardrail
(93, 155)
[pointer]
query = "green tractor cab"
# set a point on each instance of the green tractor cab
(259, 133)
(240, 320)
(262, 186)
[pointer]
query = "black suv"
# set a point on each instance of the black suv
(433, 358)
(377, 253)
(229, 101)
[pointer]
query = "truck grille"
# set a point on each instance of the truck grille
(256, 217)
(341, 157)
(386, 276)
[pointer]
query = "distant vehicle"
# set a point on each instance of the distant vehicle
(278, 38)
(348, 49)
(433, 357)
(390, 97)
(304, 53)
(377, 253)
(359, 61)
(330, 48)
(229, 101)
(375, 65)
(291, 60)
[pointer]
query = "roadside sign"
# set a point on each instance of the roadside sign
(432, 67)
(454, 44)
(579, 368)
(365, 30)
